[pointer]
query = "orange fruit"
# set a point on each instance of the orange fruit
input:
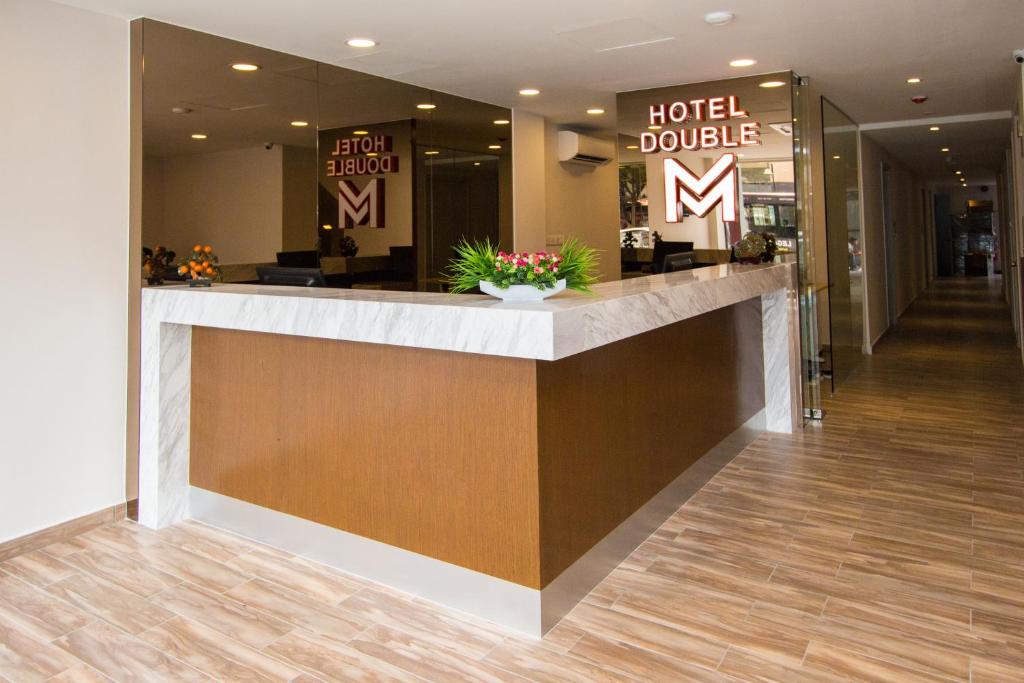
(197, 248)
(182, 270)
(208, 249)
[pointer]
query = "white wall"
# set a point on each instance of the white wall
(64, 298)
(233, 201)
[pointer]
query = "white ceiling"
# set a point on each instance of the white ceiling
(857, 52)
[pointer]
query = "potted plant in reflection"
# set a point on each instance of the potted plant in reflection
(756, 247)
(348, 246)
(155, 264)
(521, 276)
(200, 268)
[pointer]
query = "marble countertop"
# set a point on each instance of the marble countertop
(561, 326)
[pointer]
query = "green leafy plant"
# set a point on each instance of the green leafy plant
(477, 261)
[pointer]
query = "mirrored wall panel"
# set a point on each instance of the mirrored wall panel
(276, 161)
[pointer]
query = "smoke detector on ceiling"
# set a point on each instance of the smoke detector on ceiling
(719, 18)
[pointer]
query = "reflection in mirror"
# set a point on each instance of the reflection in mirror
(229, 154)
(277, 160)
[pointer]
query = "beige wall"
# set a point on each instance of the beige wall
(231, 200)
(909, 237)
(62, 412)
(554, 200)
(582, 202)
(529, 185)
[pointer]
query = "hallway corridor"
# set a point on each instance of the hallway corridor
(886, 544)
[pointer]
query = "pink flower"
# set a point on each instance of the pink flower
(538, 270)
(554, 269)
(501, 254)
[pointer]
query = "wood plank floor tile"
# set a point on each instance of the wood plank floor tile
(216, 654)
(332, 661)
(297, 610)
(304, 576)
(111, 603)
(123, 658)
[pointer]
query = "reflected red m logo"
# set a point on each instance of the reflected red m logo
(361, 207)
(700, 195)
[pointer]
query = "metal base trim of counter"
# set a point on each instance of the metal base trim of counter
(508, 604)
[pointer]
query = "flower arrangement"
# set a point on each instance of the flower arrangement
(476, 262)
(348, 246)
(201, 265)
(155, 263)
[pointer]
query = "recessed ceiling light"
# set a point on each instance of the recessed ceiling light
(934, 129)
(327, 226)
(772, 84)
(632, 146)
(738, 63)
(914, 79)
(836, 157)
(371, 154)
(529, 92)
(958, 172)
(719, 18)
(360, 132)
(596, 111)
(654, 127)
(944, 149)
(431, 152)
(426, 105)
(493, 146)
(198, 136)
(476, 163)
(501, 122)
(245, 67)
(300, 124)
(361, 42)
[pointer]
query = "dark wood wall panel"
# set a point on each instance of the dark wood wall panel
(430, 451)
(619, 423)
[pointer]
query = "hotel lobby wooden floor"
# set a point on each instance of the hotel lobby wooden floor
(887, 544)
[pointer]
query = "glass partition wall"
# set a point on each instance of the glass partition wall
(760, 121)
(844, 245)
(276, 160)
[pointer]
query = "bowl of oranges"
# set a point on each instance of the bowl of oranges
(200, 268)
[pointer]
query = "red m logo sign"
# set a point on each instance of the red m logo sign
(700, 195)
(361, 207)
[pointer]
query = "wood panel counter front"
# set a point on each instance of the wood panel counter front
(511, 467)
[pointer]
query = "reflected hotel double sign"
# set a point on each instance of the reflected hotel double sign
(717, 185)
(357, 156)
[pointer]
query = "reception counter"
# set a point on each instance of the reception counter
(497, 458)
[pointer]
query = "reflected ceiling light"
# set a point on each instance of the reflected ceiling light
(327, 226)
(913, 80)
(958, 172)
(360, 132)
(198, 136)
(772, 84)
(476, 163)
(654, 127)
(371, 154)
(431, 152)
(501, 122)
(632, 146)
(934, 129)
(836, 157)
(426, 105)
(361, 42)
(739, 63)
(719, 18)
(596, 111)
(529, 92)
(493, 146)
(944, 149)
(245, 67)
(300, 124)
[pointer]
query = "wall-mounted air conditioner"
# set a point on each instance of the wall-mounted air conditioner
(583, 149)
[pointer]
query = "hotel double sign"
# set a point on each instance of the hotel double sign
(360, 156)
(709, 129)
